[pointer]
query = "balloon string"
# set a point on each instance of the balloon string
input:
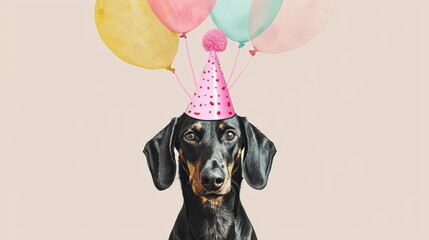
(245, 66)
(190, 62)
(235, 64)
(181, 84)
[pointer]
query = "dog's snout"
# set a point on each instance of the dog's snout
(212, 179)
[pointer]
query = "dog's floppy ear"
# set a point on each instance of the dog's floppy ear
(159, 153)
(258, 157)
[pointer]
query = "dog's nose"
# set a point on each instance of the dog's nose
(212, 180)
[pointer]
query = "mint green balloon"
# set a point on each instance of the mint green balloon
(243, 20)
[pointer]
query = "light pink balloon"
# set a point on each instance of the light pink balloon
(297, 22)
(181, 16)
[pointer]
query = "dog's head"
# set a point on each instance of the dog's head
(210, 153)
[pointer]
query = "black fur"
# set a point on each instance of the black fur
(203, 216)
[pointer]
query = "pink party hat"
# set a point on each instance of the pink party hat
(211, 100)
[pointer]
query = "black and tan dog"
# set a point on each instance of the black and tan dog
(211, 170)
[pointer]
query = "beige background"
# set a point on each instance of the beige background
(348, 113)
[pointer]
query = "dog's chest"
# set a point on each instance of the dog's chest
(218, 224)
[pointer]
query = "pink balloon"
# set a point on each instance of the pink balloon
(181, 16)
(297, 22)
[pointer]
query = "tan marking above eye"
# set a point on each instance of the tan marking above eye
(222, 126)
(198, 126)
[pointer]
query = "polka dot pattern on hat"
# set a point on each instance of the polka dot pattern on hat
(211, 100)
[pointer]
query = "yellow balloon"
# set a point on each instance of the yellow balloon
(134, 34)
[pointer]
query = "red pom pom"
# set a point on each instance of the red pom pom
(214, 40)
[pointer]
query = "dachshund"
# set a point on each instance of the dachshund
(213, 157)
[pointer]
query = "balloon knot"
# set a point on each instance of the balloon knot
(253, 52)
(241, 44)
(183, 35)
(173, 70)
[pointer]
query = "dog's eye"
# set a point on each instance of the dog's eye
(230, 135)
(190, 136)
